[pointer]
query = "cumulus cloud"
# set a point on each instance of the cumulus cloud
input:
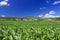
(5, 0)
(47, 16)
(3, 15)
(4, 3)
(40, 15)
(56, 2)
(50, 14)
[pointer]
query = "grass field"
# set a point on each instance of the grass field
(29, 30)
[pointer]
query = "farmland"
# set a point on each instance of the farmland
(29, 30)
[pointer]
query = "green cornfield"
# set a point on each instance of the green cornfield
(29, 30)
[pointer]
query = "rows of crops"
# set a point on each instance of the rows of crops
(29, 30)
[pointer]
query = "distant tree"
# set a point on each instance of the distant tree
(40, 19)
(21, 19)
(58, 18)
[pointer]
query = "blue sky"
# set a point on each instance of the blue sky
(39, 8)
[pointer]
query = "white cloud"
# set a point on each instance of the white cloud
(46, 14)
(5, 0)
(3, 15)
(49, 15)
(56, 2)
(52, 12)
(41, 8)
(40, 15)
(4, 3)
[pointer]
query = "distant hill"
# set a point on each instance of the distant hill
(29, 18)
